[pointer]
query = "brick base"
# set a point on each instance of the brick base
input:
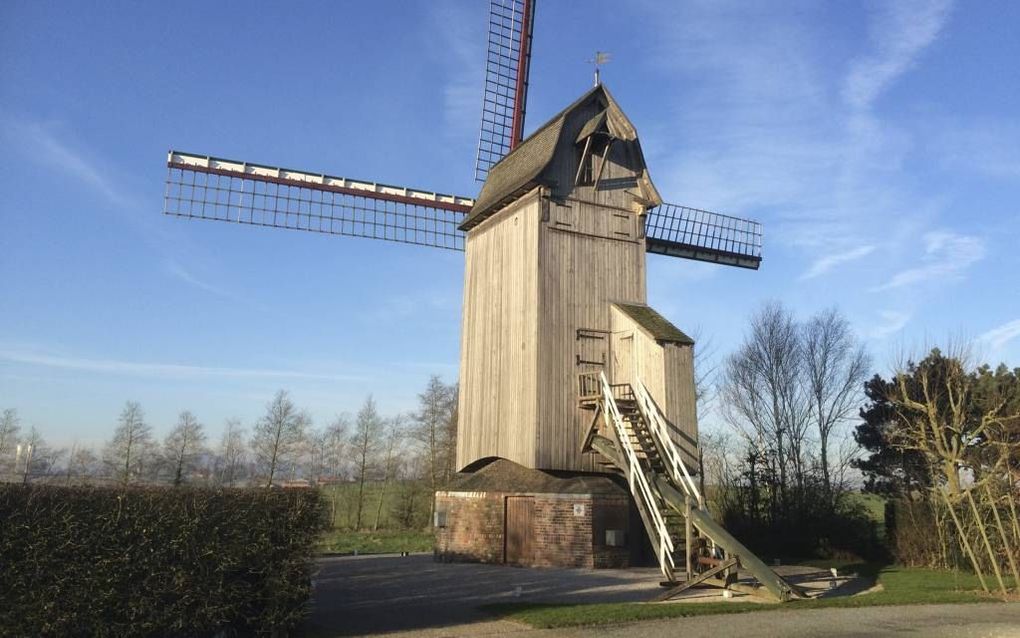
(567, 530)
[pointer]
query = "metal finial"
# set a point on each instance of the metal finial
(601, 57)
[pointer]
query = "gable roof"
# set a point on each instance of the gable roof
(523, 168)
(654, 324)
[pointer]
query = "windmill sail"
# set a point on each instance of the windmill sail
(680, 231)
(203, 187)
(505, 95)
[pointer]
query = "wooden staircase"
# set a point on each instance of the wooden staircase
(631, 436)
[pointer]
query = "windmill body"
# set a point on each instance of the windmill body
(555, 289)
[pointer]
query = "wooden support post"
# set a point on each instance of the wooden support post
(701, 578)
(688, 533)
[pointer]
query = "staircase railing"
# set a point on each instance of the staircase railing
(639, 484)
(660, 432)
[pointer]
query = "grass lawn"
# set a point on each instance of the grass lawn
(342, 541)
(901, 586)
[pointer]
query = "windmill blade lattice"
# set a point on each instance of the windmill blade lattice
(691, 233)
(203, 187)
(505, 94)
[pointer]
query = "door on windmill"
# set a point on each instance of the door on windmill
(518, 521)
(592, 350)
(623, 358)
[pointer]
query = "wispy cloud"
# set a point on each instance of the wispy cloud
(998, 337)
(891, 322)
(946, 256)
(159, 370)
(827, 263)
(46, 147)
(176, 270)
(900, 32)
(460, 50)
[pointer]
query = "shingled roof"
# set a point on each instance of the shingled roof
(502, 475)
(525, 167)
(654, 324)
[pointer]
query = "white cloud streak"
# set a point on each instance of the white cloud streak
(827, 263)
(947, 256)
(998, 337)
(40, 142)
(900, 32)
(892, 321)
(159, 370)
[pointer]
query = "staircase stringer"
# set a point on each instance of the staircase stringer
(641, 487)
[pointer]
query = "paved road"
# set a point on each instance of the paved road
(984, 620)
(389, 593)
(414, 595)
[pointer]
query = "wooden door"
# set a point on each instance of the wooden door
(623, 359)
(518, 548)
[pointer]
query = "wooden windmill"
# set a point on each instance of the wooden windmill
(564, 366)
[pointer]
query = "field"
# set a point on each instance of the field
(386, 510)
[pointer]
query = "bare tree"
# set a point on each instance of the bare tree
(431, 430)
(452, 417)
(81, 463)
(183, 445)
(336, 445)
(278, 435)
(764, 396)
(36, 458)
(365, 444)
(230, 459)
(837, 366)
(10, 425)
(131, 443)
(392, 460)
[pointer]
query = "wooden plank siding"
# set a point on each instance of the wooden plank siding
(667, 370)
(498, 338)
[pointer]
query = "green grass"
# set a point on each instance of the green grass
(901, 586)
(379, 542)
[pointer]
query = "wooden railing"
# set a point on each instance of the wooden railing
(656, 423)
(642, 490)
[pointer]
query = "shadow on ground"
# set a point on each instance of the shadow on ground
(379, 594)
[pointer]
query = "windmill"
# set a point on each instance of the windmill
(564, 366)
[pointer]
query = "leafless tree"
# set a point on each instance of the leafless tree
(365, 445)
(183, 445)
(81, 464)
(36, 457)
(10, 425)
(131, 443)
(837, 365)
(391, 461)
(336, 446)
(431, 430)
(231, 456)
(451, 434)
(278, 435)
(764, 393)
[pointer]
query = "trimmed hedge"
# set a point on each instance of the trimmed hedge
(87, 561)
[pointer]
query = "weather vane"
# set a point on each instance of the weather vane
(601, 57)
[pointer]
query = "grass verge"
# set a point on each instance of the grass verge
(901, 586)
(338, 541)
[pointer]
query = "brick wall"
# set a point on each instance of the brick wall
(474, 527)
(568, 529)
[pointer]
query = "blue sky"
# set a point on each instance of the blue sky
(879, 143)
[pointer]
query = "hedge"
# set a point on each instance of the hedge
(91, 561)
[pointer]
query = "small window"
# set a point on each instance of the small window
(589, 156)
(440, 518)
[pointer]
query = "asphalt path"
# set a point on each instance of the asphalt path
(414, 595)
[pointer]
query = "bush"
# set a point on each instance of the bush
(155, 561)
